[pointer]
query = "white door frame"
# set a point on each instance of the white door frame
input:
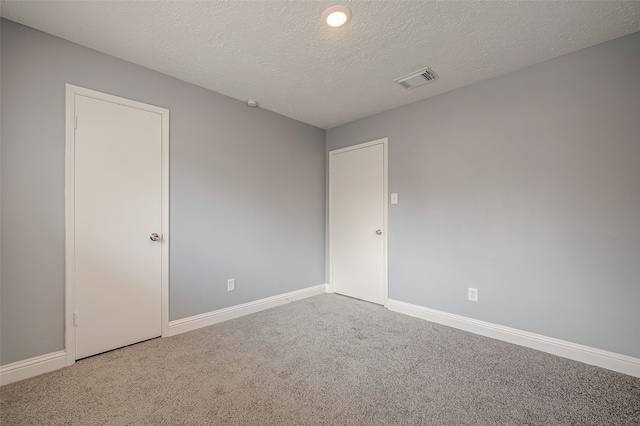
(385, 145)
(70, 288)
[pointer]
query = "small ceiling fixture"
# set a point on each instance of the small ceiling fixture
(336, 16)
(418, 78)
(252, 103)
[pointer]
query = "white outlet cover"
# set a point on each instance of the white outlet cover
(231, 284)
(472, 294)
(394, 198)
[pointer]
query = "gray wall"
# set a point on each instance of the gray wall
(526, 186)
(247, 190)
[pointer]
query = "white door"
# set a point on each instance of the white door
(357, 221)
(117, 207)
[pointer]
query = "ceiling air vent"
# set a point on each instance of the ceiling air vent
(417, 78)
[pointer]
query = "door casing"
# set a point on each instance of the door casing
(384, 142)
(70, 291)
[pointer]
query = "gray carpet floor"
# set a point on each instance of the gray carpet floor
(326, 360)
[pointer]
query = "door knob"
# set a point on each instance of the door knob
(379, 232)
(154, 237)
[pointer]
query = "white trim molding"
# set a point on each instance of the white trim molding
(225, 314)
(42, 364)
(32, 367)
(598, 357)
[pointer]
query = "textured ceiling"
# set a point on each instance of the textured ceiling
(280, 53)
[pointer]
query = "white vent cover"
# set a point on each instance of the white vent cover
(417, 78)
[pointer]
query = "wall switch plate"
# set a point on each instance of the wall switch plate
(231, 284)
(472, 294)
(394, 198)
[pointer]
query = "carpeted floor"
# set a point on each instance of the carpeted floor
(326, 360)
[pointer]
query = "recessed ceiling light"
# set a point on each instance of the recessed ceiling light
(336, 16)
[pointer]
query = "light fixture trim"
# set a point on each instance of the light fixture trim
(337, 16)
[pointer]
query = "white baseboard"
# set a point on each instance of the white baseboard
(32, 367)
(598, 357)
(328, 288)
(214, 317)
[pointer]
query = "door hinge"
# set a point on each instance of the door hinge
(75, 122)
(75, 319)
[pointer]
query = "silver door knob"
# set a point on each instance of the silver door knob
(154, 237)
(379, 232)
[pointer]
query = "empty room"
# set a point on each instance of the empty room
(381, 212)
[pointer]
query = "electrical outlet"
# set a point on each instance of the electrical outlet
(472, 294)
(231, 284)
